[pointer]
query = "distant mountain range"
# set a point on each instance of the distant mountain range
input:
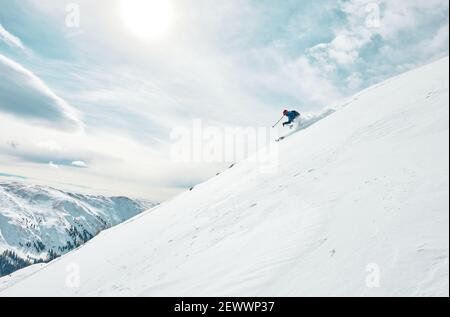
(39, 223)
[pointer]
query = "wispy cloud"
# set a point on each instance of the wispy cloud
(10, 39)
(438, 43)
(25, 95)
(380, 35)
(79, 164)
(11, 176)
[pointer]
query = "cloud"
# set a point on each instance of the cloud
(368, 19)
(10, 39)
(398, 16)
(79, 164)
(7, 175)
(115, 163)
(52, 164)
(438, 43)
(354, 81)
(24, 95)
(307, 78)
(344, 49)
(362, 23)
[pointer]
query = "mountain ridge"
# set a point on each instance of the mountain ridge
(39, 223)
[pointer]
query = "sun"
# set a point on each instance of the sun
(147, 19)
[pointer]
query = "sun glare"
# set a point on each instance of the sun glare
(147, 19)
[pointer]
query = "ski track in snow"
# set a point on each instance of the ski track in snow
(307, 120)
(358, 207)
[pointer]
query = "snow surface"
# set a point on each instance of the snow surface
(358, 207)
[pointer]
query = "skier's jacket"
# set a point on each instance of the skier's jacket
(292, 115)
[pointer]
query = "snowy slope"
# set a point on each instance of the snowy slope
(359, 206)
(38, 223)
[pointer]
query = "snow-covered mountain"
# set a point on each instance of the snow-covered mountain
(39, 223)
(358, 207)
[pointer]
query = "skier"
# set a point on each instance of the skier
(291, 115)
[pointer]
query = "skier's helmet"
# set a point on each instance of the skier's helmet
(285, 112)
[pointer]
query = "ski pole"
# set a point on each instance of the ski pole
(278, 122)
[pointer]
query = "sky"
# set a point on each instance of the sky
(91, 92)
